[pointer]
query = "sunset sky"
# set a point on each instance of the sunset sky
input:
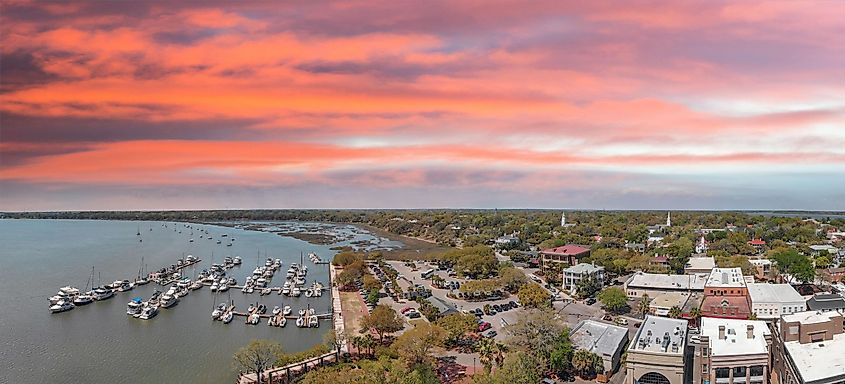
(394, 104)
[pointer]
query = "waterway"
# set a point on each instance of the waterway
(99, 343)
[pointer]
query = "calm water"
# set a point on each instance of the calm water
(99, 342)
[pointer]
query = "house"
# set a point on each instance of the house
(763, 268)
(574, 274)
(771, 301)
(834, 275)
(569, 254)
(726, 294)
(731, 351)
(443, 307)
(653, 284)
(699, 265)
(661, 304)
(656, 354)
(823, 250)
(660, 261)
(635, 247)
(809, 348)
(758, 244)
(702, 246)
(507, 241)
(605, 340)
(826, 302)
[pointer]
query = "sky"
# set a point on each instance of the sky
(422, 104)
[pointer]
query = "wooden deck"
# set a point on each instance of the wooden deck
(290, 372)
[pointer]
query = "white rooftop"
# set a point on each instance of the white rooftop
(823, 247)
(583, 268)
(725, 278)
(659, 281)
(818, 361)
(701, 263)
(597, 337)
(757, 262)
(773, 293)
(736, 340)
(809, 317)
(661, 335)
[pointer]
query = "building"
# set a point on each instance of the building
(770, 301)
(563, 222)
(661, 304)
(656, 354)
(699, 265)
(653, 284)
(726, 294)
(605, 340)
(826, 302)
(762, 267)
(569, 254)
(635, 247)
(758, 244)
(702, 246)
(574, 274)
(809, 348)
(660, 261)
(507, 241)
(729, 351)
(824, 250)
(834, 275)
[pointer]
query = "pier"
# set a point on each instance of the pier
(289, 373)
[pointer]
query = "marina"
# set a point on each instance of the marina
(49, 254)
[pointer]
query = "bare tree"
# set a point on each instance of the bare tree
(257, 356)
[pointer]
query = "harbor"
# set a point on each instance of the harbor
(102, 330)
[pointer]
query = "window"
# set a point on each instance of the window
(704, 368)
(704, 351)
(793, 330)
(739, 372)
(757, 370)
(653, 378)
(723, 373)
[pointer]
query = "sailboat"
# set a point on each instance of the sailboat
(139, 230)
(142, 277)
(85, 297)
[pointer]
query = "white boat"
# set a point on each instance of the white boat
(182, 292)
(85, 298)
(251, 308)
(237, 260)
(313, 322)
(261, 282)
(168, 300)
(295, 292)
(134, 306)
(69, 291)
(223, 288)
(301, 312)
(309, 292)
(253, 319)
(300, 322)
(250, 289)
(61, 306)
(276, 310)
(214, 287)
(217, 312)
(286, 311)
(196, 285)
(55, 299)
(257, 271)
(268, 263)
(227, 318)
(265, 291)
(282, 321)
(148, 312)
(101, 293)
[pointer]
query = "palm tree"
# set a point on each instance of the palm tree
(642, 306)
(675, 312)
(694, 314)
(486, 348)
(583, 362)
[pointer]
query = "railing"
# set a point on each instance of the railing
(288, 373)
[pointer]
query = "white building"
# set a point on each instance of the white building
(574, 274)
(731, 351)
(771, 301)
(653, 284)
(699, 265)
(605, 340)
(656, 354)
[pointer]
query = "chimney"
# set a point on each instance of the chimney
(750, 331)
(722, 332)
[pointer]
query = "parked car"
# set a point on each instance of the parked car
(407, 309)
(607, 318)
(591, 301)
(491, 334)
(621, 321)
(513, 304)
(413, 315)
(484, 326)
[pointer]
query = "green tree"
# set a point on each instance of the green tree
(822, 262)
(517, 368)
(345, 279)
(414, 346)
(643, 305)
(490, 352)
(512, 279)
(457, 325)
(537, 332)
(383, 319)
(560, 358)
(613, 298)
(675, 312)
(587, 363)
(532, 295)
(587, 286)
(637, 234)
(257, 357)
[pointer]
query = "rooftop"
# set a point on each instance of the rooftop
(725, 277)
(569, 249)
(597, 337)
(583, 268)
(736, 341)
(826, 301)
(818, 361)
(660, 281)
(757, 262)
(773, 293)
(809, 317)
(701, 263)
(757, 242)
(661, 335)
(670, 299)
(823, 247)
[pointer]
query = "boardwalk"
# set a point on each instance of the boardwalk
(290, 372)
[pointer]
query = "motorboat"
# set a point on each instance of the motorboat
(134, 306)
(262, 309)
(232, 281)
(195, 285)
(69, 291)
(182, 292)
(265, 291)
(250, 289)
(301, 312)
(309, 292)
(55, 299)
(295, 292)
(61, 306)
(228, 260)
(154, 298)
(251, 308)
(148, 312)
(261, 282)
(101, 293)
(217, 312)
(142, 281)
(276, 310)
(253, 319)
(237, 260)
(268, 263)
(83, 299)
(286, 311)
(227, 317)
(222, 288)
(257, 271)
(219, 242)
(313, 322)
(282, 321)
(168, 300)
(191, 259)
(300, 322)
(214, 287)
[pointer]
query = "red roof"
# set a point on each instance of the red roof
(757, 242)
(567, 250)
(661, 259)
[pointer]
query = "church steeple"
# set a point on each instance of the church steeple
(668, 219)
(563, 219)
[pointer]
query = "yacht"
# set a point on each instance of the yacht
(222, 287)
(214, 287)
(148, 312)
(251, 308)
(261, 282)
(61, 306)
(101, 293)
(257, 271)
(286, 311)
(69, 291)
(83, 299)
(276, 310)
(217, 312)
(195, 285)
(125, 285)
(154, 298)
(227, 318)
(295, 292)
(232, 281)
(237, 260)
(168, 300)
(313, 322)
(268, 263)
(134, 306)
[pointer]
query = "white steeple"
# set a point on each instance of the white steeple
(668, 219)
(563, 219)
